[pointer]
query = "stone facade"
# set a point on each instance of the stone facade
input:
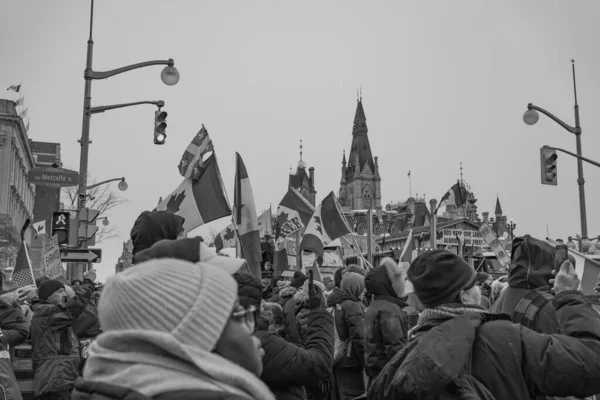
(16, 194)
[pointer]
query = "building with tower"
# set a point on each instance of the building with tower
(360, 185)
(304, 182)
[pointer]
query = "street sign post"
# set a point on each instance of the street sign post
(82, 255)
(53, 177)
(51, 258)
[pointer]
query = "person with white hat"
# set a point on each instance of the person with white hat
(174, 329)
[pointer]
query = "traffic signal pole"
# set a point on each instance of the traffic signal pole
(579, 158)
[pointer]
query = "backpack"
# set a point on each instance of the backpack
(529, 306)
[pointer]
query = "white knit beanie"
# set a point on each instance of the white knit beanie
(192, 302)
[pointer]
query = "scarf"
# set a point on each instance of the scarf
(434, 316)
(152, 363)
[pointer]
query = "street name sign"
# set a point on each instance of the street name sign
(82, 255)
(51, 258)
(53, 177)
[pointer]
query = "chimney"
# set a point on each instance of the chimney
(485, 216)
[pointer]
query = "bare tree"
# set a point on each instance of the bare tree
(10, 241)
(100, 198)
(211, 236)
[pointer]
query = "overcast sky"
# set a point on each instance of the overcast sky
(443, 83)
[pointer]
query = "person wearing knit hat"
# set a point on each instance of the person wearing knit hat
(55, 347)
(173, 329)
(441, 277)
(193, 250)
(41, 279)
(450, 351)
(153, 226)
(298, 279)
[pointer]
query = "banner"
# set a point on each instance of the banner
(492, 240)
(51, 258)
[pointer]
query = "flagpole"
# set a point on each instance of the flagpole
(410, 183)
(356, 250)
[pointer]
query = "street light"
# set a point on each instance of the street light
(122, 185)
(169, 75)
(531, 116)
(104, 220)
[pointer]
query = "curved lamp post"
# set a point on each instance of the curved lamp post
(531, 117)
(169, 76)
(122, 185)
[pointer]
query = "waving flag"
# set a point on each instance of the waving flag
(245, 218)
(191, 162)
(264, 223)
(15, 88)
(225, 238)
(293, 214)
(327, 224)
(408, 252)
(456, 196)
(199, 201)
(39, 228)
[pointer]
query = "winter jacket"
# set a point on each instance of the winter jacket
(288, 367)
(349, 313)
(55, 347)
(532, 265)
(87, 325)
(286, 301)
(13, 324)
(8, 382)
(385, 320)
(511, 361)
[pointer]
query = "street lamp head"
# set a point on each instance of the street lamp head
(531, 117)
(169, 75)
(123, 185)
(105, 222)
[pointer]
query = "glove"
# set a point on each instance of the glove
(325, 386)
(314, 297)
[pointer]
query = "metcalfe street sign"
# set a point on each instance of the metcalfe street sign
(82, 255)
(51, 258)
(53, 177)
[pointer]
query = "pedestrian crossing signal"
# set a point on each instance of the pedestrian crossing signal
(60, 226)
(548, 158)
(160, 125)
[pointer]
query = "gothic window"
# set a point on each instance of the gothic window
(367, 197)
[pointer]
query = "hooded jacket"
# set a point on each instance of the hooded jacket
(55, 347)
(532, 262)
(511, 361)
(349, 314)
(286, 301)
(153, 226)
(385, 319)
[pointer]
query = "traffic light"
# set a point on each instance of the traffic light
(160, 125)
(548, 159)
(60, 226)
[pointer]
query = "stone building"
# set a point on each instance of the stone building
(126, 259)
(304, 182)
(16, 159)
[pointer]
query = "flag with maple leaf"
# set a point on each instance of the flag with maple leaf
(191, 162)
(199, 201)
(246, 219)
(39, 228)
(225, 238)
(327, 224)
(409, 253)
(264, 223)
(293, 214)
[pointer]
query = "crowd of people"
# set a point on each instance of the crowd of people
(185, 323)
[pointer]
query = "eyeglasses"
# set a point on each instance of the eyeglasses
(246, 315)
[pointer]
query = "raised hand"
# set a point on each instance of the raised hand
(566, 279)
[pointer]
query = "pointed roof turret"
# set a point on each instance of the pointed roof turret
(360, 147)
(498, 207)
(344, 159)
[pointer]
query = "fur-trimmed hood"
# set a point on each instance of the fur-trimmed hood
(271, 319)
(387, 279)
(287, 292)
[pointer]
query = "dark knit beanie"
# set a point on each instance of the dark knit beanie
(41, 279)
(249, 290)
(482, 277)
(48, 287)
(438, 277)
(299, 279)
(337, 277)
